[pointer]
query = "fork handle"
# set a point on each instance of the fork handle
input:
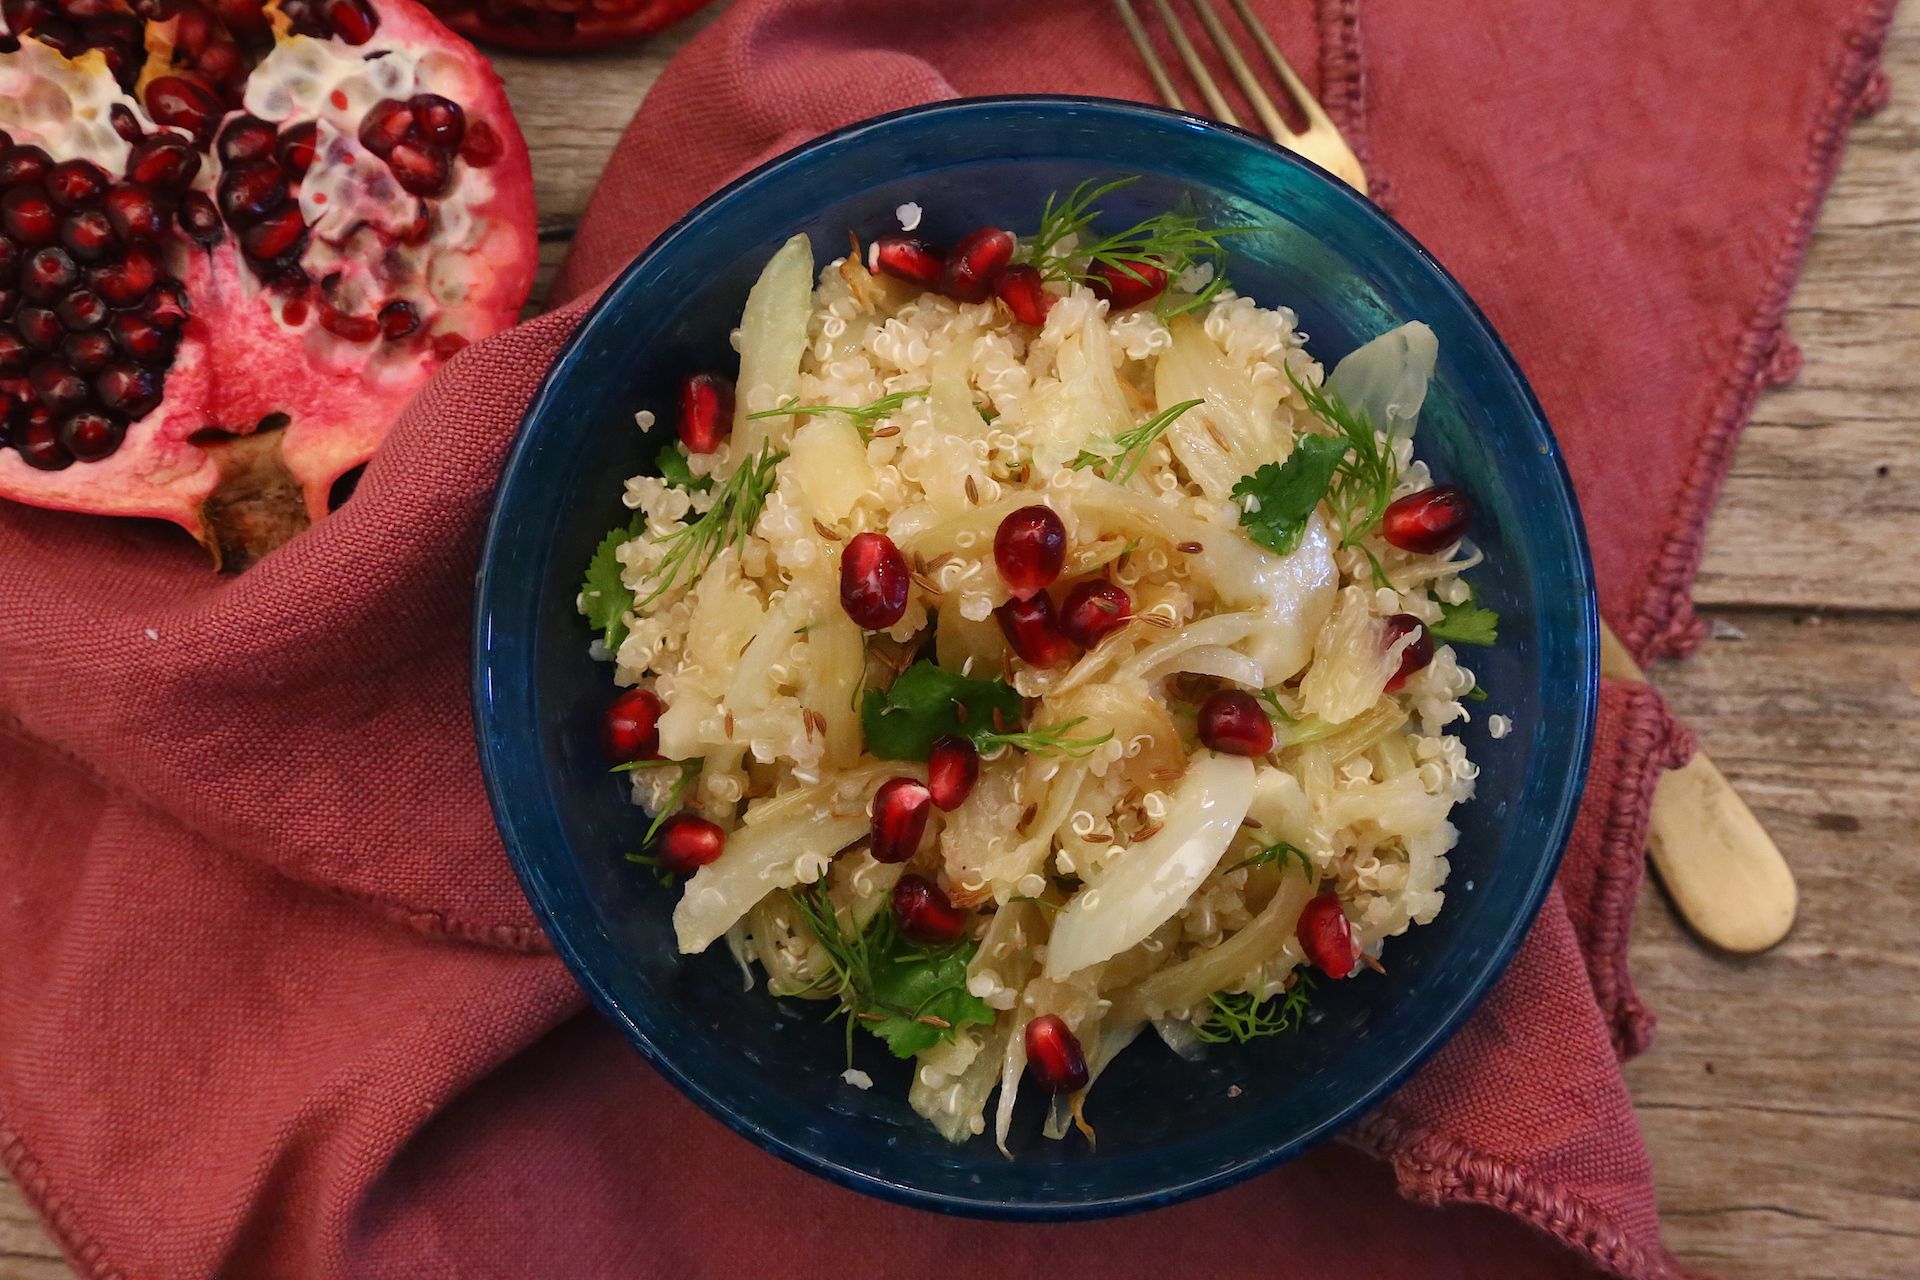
(1726, 876)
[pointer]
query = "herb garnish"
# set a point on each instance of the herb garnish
(1175, 241)
(1363, 485)
(604, 596)
(1047, 740)
(1353, 471)
(864, 415)
(1475, 694)
(1240, 1017)
(671, 463)
(1466, 623)
(1279, 497)
(909, 995)
(1277, 854)
(927, 703)
(691, 548)
(1123, 454)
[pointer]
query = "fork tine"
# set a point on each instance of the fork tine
(1309, 106)
(1216, 101)
(1270, 117)
(1155, 68)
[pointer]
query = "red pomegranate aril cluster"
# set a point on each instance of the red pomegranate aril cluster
(953, 766)
(1054, 1058)
(1326, 936)
(925, 913)
(630, 729)
(706, 411)
(687, 842)
(418, 138)
(1029, 548)
(979, 267)
(1417, 654)
(1033, 631)
(1233, 721)
(1428, 522)
(974, 265)
(873, 581)
(899, 816)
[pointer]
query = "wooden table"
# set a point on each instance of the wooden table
(1780, 1096)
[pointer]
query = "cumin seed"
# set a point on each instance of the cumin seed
(1189, 548)
(887, 432)
(927, 1019)
(973, 492)
(824, 531)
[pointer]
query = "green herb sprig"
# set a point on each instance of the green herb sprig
(605, 597)
(864, 416)
(1046, 740)
(1363, 483)
(1240, 1017)
(1117, 458)
(1175, 241)
(1277, 854)
(693, 547)
(1466, 623)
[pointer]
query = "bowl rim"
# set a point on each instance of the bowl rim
(1579, 719)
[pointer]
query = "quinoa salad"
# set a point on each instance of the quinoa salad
(1032, 648)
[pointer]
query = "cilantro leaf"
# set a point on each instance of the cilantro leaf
(1466, 624)
(903, 722)
(910, 983)
(672, 464)
(604, 598)
(1285, 493)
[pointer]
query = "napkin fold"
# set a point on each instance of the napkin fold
(271, 1002)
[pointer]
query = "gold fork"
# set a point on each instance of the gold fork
(1725, 874)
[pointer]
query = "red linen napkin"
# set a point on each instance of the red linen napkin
(271, 1003)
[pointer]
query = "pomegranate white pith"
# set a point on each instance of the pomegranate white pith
(320, 300)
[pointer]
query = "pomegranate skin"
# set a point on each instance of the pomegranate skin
(899, 816)
(1428, 522)
(873, 581)
(1054, 1057)
(630, 729)
(1233, 721)
(1029, 548)
(953, 767)
(1326, 936)
(1416, 655)
(541, 26)
(925, 913)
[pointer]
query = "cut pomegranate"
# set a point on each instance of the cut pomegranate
(1092, 609)
(1025, 294)
(631, 729)
(974, 265)
(1029, 548)
(899, 819)
(873, 581)
(1127, 284)
(547, 26)
(166, 350)
(1326, 936)
(953, 767)
(1034, 632)
(906, 258)
(706, 411)
(1233, 721)
(1429, 521)
(1054, 1059)
(1417, 654)
(687, 842)
(925, 913)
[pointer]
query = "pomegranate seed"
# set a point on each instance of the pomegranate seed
(706, 411)
(28, 216)
(1233, 721)
(125, 282)
(73, 184)
(398, 320)
(57, 387)
(420, 170)
(9, 259)
(350, 328)
(167, 305)
(247, 138)
(184, 103)
(1092, 609)
(295, 312)
(1127, 284)
(1326, 937)
(873, 581)
(129, 389)
(1025, 294)
(90, 435)
(686, 842)
(80, 311)
(249, 192)
(39, 441)
(351, 20)
(24, 165)
(141, 338)
(125, 123)
(1054, 1059)
(162, 162)
(39, 326)
(48, 273)
(199, 219)
(386, 126)
(975, 263)
(1429, 521)
(223, 62)
(906, 258)
(15, 354)
(631, 729)
(953, 767)
(297, 147)
(87, 352)
(1028, 548)
(193, 30)
(899, 819)
(482, 146)
(442, 123)
(134, 214)
(925, 913)
(1033, 631)
(1417, 654)
(278, 233)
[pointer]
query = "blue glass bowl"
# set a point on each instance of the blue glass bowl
(771, 1069)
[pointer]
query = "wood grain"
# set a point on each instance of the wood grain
(1778, 1097)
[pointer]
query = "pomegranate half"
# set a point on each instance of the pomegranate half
(235, 239)
(555, 26)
